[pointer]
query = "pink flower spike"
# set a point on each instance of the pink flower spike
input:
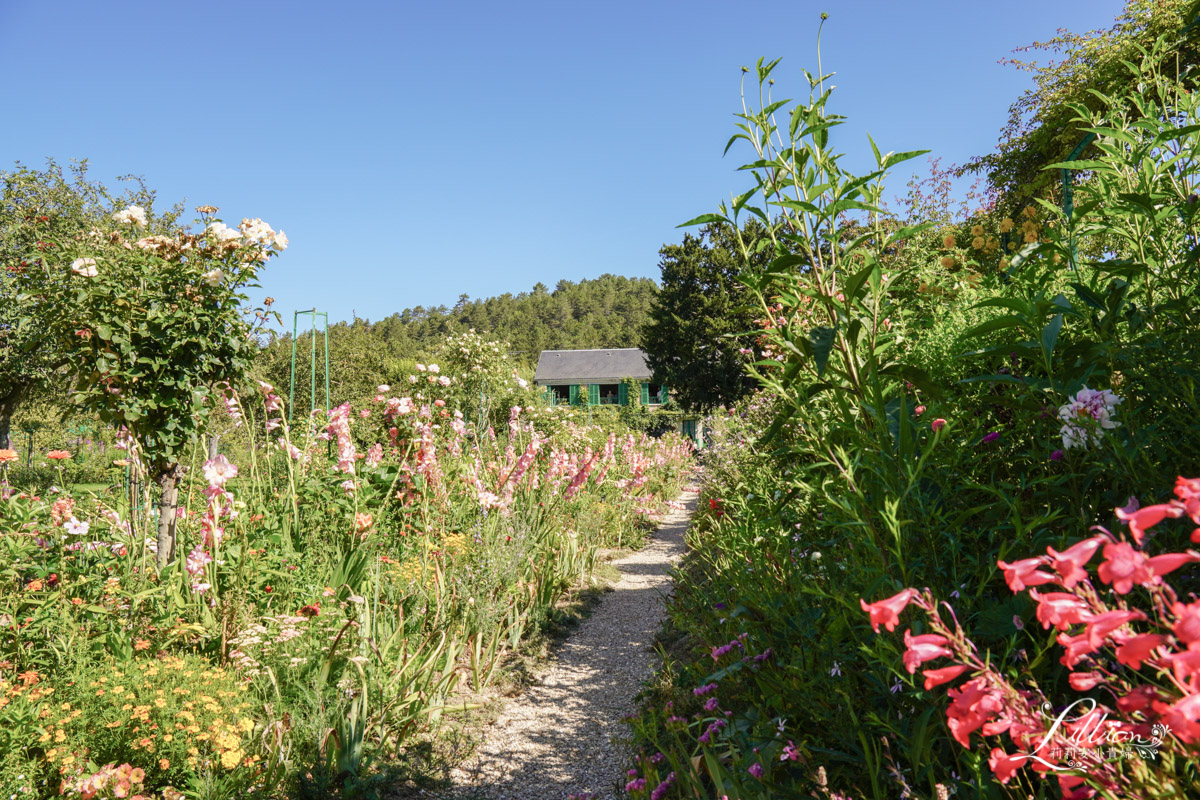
(1145, 518)
(1187, 625)
(1069, 563)
(1124, 567)
(887, 612)
(1024, 573)
(925, 647)
(1132, 652)
(1186, 664)
(1076, 646)
(936, 677)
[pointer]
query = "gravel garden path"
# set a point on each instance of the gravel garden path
(563, 736)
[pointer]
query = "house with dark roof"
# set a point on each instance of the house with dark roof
(597, 377)
(606, 377)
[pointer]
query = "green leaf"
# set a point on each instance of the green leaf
(821, 341)
(1050, 335)
(704, 219)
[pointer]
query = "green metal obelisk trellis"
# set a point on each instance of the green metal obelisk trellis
(312, 372)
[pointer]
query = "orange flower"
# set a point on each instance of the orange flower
(947, 262)
(58, 455)
(7, 456)
(141, 644)
(35, 585)
(948, 242)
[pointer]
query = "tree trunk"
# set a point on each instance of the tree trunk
(168, 481)
(8, 407)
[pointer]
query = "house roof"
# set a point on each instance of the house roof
(591, 366)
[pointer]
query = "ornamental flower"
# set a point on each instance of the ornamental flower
(887, 612)
(133, 215)
(85, 267)
(1059, 609)
(1124, 567)
(1086, 417)
(936, 677)
(1069, 563)
(218, 470)
(7, 455)
(223, 232)
(925, 647)
(58, 455)
(1025, 573)
(213, 277)
(1143, 518)
(937, 424)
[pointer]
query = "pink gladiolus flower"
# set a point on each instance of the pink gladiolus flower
(1145, 518)
(1124, 567)
(1058, 609)
(1024, 573)
(937, 424)
(1003, 765)
(925, 647)
(887, 612)
(936, 677)
(1133, 651)
(218, 470)
(1069, 563)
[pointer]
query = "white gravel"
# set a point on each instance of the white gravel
(563, 736)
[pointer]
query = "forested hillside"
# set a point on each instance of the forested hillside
(605, 312)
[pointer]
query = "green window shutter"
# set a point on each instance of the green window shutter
(645, 393)
(594, 394)
(573, 394)
(623, 394)
(662, 393)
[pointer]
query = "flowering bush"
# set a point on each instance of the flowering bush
(1141, 661)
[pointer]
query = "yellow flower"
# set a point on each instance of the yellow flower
(231, 758)
(1031, 238)
(977, 230)
(977, 243)
(948, 242)
(1007, 225)
(1030, 212)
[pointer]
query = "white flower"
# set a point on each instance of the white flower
(218, 470)
(258, 231)
(213, 277)
(524, 384)
(434, 368)
(76, 528)
(85, 267)
(281, 241)
(133, 215)
(1086, 417)
(223, 232)
(444, 380)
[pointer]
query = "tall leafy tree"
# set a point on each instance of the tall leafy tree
(41, 211)
(691, 338)
(1043, 127)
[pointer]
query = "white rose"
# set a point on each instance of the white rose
(223, 232)
(213, 277)
(281, 241)
(133, 215)
(85, 267)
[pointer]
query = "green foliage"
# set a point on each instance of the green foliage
(835, 486)
(1043, 127)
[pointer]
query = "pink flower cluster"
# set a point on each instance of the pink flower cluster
(1142, 710)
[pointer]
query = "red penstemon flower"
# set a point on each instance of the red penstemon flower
(1087, 625)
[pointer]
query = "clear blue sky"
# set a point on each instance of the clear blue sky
(414, 152)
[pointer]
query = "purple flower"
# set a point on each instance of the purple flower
(661, 790)
(708, 688)
(991, 437)
(1057, 455)
(756, 770)
(636, 785)
(711, 704)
